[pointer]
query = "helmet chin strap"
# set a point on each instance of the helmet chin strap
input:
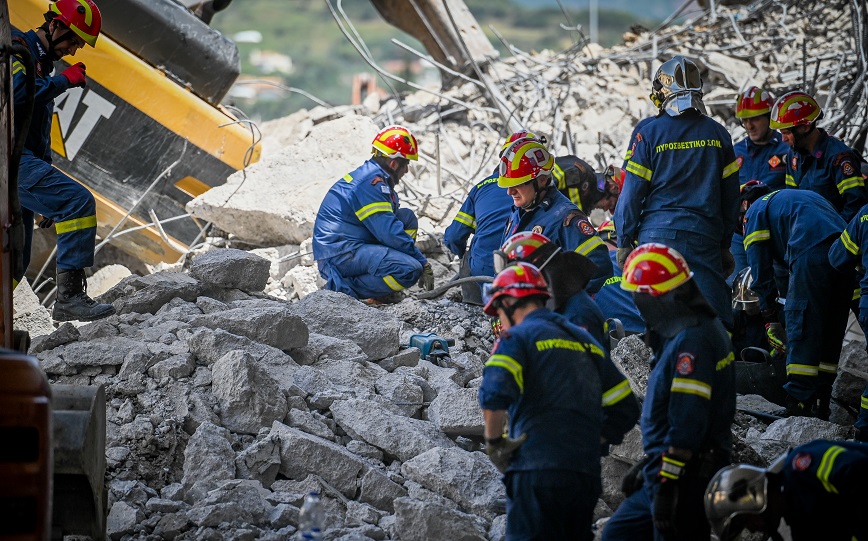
(537, 194)
(49, 37)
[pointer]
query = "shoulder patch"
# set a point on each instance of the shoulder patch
(845, 162)
(685, 364)
(638, 137)
(795, 163)
(537, 229)
(801, 461)
(739, 160)
(377, 180)
(586, 228)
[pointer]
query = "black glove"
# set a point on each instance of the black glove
(427, 279)
(623, 254)
(666, 501)
(634, 479)
(728, 261)
(500, 451)
(45, 222)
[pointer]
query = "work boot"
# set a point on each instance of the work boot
(72, 302)
(795, 408)
(823, 408)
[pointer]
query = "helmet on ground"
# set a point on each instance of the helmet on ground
(525, 246)
(794, 108)
(677, 87)
(524, 134)
(523, 161)
(736, 491)
(753, 102)
(396, 142)
(655, 269)
(517, 281)
(607, 231)
(743, 297)
(80, 16)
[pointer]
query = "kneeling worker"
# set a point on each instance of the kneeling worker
(363, 243)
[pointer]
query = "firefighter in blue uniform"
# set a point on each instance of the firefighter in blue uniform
(363, 243)
(797, 228)
(566, 273)
(615, 302)
(816, 161)
(761, 155)
(817, 488)
(526, 173)
(689, 405)
(562, 398)
(42, 188)
(483, 215)
(847, 253)
(588, 190)
(681, 187)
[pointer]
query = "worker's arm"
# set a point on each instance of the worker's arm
(691, 363)
(757, 244)
(729, 193)
(581, 237)
(372, 204)
(462, 226)
(846, 252)
(637, 184)
(850, 184)
(620, 407)
(46, 89)
(495, 423)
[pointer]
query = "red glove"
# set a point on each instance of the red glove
(75, 74)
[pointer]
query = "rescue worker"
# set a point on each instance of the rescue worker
(847, 253)
(42, 188)
(588, 190)
(816, 161)
(526, 173)
(482, 215)
(689, 405)
(566, 273)
(817, 488)
(562, 398)
(614, 302)
(364, 244)
(761, 155)
(797, 228)
(681, 187)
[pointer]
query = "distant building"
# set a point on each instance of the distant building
(271, 61)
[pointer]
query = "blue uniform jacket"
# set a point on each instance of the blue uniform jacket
(766, 163)
(615, 302)
(582, 312)
(824, 489)
(639, 125)
(833, 171)
(559, 389)
(681, 176)
(782, 226)
(848, 252)
(578, 235)
(483, 215)
(47, 88)
(360, 209)
(690, 401)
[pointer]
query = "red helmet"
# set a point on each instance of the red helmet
(607, 231)
(524, 134)
(655, 269)
(517, 281)
(753, 102)
(80, 16)
(525, 246)
(523, 161)
(794, 109)
(616, 175)
(396, 142)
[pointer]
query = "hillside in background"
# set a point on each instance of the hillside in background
(298, 44)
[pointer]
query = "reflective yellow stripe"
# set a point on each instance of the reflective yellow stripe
(848, 183)
(791, 181)
(392, 283)
(576, 197)
(730, 169)
(559, 343)
(412, 233)
(757, 236)
(826, 465)
(511, 366)
(15, 284)
(801, 370)
(558, 173)
(76, 224)
(726, 361)
(373, 208)
(617, 393)
(466, 219)
(348, 177)
(865, 402)
(857, 294)
(848, 243)
(828, 368)
(639, 170)
(691, 386)
(586, 247)
(17, 66)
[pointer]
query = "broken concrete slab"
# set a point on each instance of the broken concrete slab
(230, 268)
(267, 323)
(249, 398)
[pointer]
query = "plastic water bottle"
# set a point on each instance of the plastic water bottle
(310, 518)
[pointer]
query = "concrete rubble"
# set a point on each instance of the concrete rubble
(235, 385)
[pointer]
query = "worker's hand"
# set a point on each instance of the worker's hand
(45, 222)
(500, 451)
(666, 507)
(76, 75)
(777, 337)
(427, 279)
(634, 478)
(623, 254)
(728, 261)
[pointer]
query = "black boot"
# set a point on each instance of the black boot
(823, 408)
(72, 302)
(797, 408)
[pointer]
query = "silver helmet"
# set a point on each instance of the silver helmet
(677, 87)
(743, 297)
